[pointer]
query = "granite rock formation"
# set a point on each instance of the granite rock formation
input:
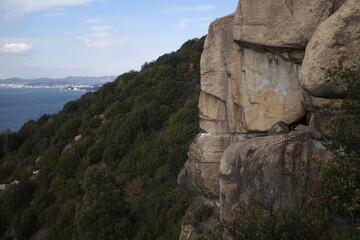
(272, 166)
(261, 86)
(337, 39)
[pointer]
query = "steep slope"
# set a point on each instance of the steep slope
(105, 167)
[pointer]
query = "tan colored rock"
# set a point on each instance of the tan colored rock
(335, 41)
(220, 71)
(280, 23)
(243, 89)
(301, 128)
(272, 168)
(279, 128)
(78, 138)
(212, 113)
(269, 91)
(201, 171)
(218, 57)
(314, 104)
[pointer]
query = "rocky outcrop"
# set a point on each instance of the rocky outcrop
(279, 128)
(314, 104)
(219, 62)
(280, 23)
(201, 172)
(274, 168)
(245, 90)
(335, 41)
(261, 90)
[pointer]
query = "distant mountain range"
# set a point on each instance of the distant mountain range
(69, 83)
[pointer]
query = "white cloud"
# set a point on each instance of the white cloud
(92, 20)
(29, 65)
(103, 31)
(200, 8)
(15, 9)
(31, 41)
(200, 22)
(100, 37)
(52, 14)
(15, 47)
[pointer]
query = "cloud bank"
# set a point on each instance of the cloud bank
(101, 36)
(15, 9)
(15, 47)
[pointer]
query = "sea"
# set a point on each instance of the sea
(19, 105)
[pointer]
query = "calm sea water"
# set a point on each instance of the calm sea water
(19, 105)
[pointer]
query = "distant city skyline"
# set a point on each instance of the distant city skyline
(60, 38)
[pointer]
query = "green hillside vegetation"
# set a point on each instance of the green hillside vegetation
(118, 179)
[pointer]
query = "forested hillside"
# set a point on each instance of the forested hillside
(105, 166)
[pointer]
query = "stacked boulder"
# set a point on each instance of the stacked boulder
(262, 85)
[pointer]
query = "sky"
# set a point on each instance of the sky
(60, 38)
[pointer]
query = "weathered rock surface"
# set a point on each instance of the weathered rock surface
(279, 128)
(280, 23)
(260, 74)
(220, 71)
(201, 170)
(270, 91)
(245, 90)
(314, 104)
(78, 138)
(273, 168)
(335, 41)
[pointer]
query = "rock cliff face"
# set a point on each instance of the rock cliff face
(260, 78)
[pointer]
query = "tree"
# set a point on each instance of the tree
(102, 213)
(341, 177)
(345, 127)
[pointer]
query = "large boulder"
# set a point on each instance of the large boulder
(220, 72)
(201, 171)
(269, 90)
(336, 40)
(279, 128)
(272, 168)
(280, 23)
(242, 89)
(314, 104)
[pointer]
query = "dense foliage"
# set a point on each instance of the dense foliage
(341, 177)
(117, 178)
(331, 206)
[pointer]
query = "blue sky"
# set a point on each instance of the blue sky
(60, 38)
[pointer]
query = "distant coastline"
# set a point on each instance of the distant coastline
(84, 84)
(83, 88)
